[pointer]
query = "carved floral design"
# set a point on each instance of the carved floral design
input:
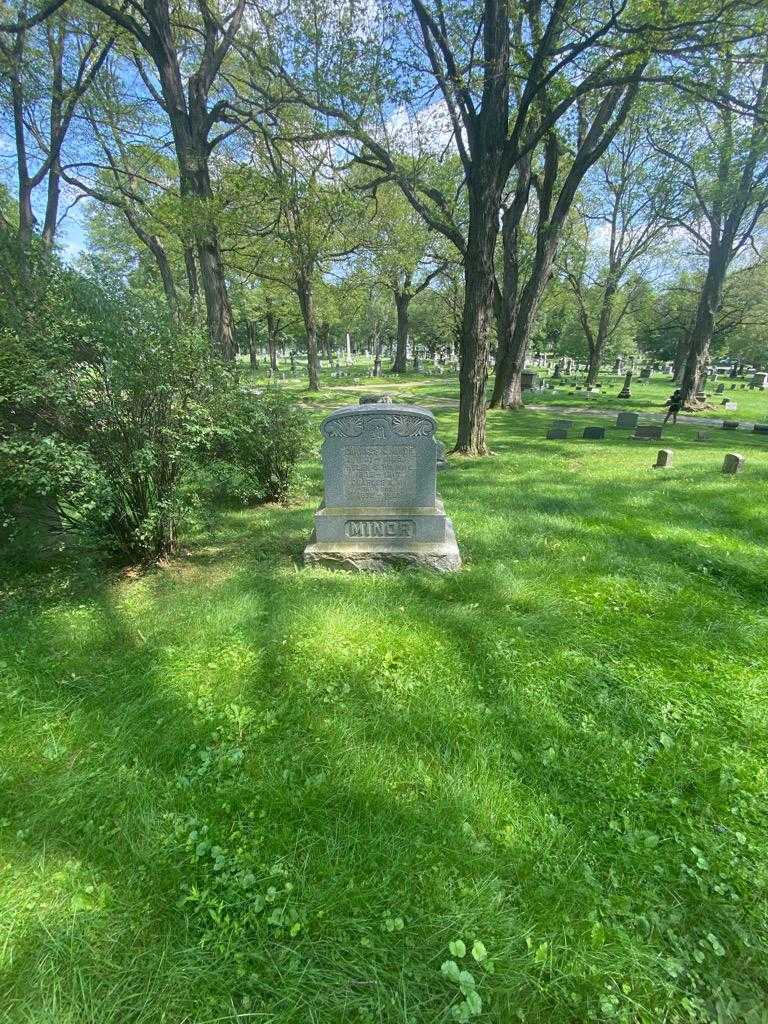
(344, 426)
(377, 428)
(412, 426)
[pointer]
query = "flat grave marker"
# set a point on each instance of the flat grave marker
(593, 433)
(627, 420)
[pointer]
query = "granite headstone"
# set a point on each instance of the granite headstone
(381, 506)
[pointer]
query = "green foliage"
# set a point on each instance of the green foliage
(255, 441)
(108, 409)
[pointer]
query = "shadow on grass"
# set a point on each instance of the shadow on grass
(478, 753)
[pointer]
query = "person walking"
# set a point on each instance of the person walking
(675, 403)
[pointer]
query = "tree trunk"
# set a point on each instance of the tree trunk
(476, 316)
(508, 388)
(191, 268)
(377, 354)
(324, 340)
(703, 327)
(402, 302)
(169, 285)
(681, 356)
(272, 337)
(597, 345)
(52, 207)
(220, 321)
(306, 302)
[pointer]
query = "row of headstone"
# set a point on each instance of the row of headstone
(588, 434)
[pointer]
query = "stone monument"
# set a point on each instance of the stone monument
(381, 506)
(733, 463)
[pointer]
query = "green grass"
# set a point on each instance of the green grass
(237, 790)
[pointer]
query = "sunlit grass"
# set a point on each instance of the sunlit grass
(236, 789)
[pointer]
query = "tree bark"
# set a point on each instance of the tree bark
(190, 267)
(402, 302)
(704, 326)
(272, 328)
(306, 302)
(485, 198)
(597, 342)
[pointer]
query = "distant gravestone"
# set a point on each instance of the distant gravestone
(663, 459)
(594, 433)
(730, 406)
(650, 433)
(557, 434)
(759, 380)
(626, 390)
(646, 373)
(381, 506)
(529, 380)
(627, 420)
(562, 424)
(376, 399)
(730, 424)
(720, 389)
(733, 463)
(702, 435)
(760, 428)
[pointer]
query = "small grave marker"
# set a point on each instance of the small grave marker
(627, 420)
(594, 433)
(648, 433)
(557, 434)
(760, 428)
(376, 400)
(663, 458)
(733, 463)
(702, 435)
(730, 424)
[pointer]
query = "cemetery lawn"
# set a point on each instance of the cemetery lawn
(237, 790)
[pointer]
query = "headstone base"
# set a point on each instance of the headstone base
(382, 555)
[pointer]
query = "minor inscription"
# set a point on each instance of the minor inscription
(380, 475)
(380, 528)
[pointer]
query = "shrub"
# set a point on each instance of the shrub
(108, 409)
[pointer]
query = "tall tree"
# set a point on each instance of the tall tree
(183, 75)
(47, 68)
(403, 255)
(722, 154)
(300, 230)
(624, 212)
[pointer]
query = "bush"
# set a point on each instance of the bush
(257, 440)
(108, 410)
